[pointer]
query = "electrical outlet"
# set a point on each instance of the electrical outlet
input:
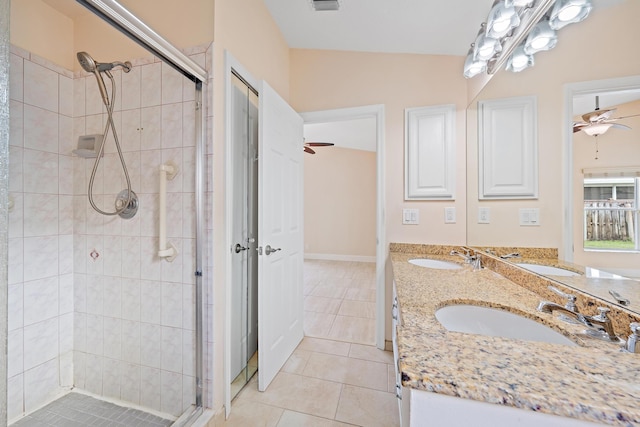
(450, 215)
(484, 215)
(410, 216)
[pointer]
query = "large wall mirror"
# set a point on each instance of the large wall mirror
(599, 56)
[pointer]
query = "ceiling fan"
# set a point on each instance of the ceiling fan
(308, 145)
(599, 121)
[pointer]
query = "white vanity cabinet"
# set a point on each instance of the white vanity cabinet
(403, 405)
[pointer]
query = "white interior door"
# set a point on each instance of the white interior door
(280, 234)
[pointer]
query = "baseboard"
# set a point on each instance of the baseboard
(336, 257)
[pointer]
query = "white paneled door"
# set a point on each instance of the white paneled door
(280, 235)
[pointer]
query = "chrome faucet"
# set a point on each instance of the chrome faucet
(511, 255)
(633, 342)
(600, 325)
(466, 256)
(473, 259)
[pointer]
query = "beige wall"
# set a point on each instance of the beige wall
(45, 31)
(340, 203)
(616, 148)
(581, 55)
(323, 80)
(38, 28)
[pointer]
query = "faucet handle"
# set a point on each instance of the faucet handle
(602, 314)
(571, 299)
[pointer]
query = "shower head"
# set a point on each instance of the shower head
(86, 62)
(91, 66)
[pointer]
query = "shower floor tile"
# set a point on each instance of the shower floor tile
(77, 410)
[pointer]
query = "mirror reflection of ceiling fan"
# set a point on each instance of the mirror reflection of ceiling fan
(599, 121)
(308, 145)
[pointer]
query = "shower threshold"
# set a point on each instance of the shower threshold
(80, 410)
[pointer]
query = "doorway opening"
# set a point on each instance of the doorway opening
(244, 227)
(373, 116)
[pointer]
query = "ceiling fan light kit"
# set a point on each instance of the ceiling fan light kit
(531, 24)
(596, 129)
(597, 122)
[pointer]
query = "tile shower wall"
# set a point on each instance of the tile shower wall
(40, 319)
(92, 306)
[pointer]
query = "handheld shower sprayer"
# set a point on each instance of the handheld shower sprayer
(126, 204)
(91, 66)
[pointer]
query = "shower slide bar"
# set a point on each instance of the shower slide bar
(166, 250)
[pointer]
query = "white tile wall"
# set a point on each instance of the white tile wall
(120, 324)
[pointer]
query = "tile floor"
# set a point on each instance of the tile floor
(79, 410)
(336, 376)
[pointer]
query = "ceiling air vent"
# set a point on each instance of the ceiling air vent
(322, 5)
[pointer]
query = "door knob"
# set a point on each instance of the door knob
(269, 250)
(239, 248)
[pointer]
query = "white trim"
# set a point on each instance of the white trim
(571, 90)
(229, 63)
(336, 257)
(377, 112)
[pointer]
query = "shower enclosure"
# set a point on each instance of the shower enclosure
(92, 307)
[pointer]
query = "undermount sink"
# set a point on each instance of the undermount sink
(435, 263)
(547, 270)
(473, 319)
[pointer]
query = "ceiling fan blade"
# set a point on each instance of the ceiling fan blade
(598, 115)
(577, 126)
(624, 117)
(308, 150)
(619, 126)
(319, 144)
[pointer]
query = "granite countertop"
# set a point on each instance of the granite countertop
(594, 381)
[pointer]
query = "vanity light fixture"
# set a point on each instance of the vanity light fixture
(501, 20)
(473, 66)
(519, 3)
(485, 47)
(541, 38)
(531, 24)
(567, 12)
(519, 60)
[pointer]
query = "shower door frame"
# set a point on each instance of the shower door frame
(121, 19)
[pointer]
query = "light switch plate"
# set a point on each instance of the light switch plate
(484, 215)
(529, 216)
(410, 216)
(450, 215)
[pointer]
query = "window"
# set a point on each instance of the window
(611, 213)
